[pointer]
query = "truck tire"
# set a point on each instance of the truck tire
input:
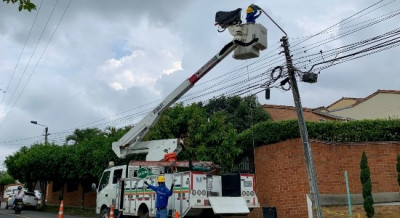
(104, 213)
(6, 205)
(143, 211)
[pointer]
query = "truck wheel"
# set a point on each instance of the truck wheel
(6, 206)
(143, 212)
(104, 213)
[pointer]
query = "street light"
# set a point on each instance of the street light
(46, 130)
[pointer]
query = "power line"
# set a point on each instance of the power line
(40, 58)
(254, 83)
(26, 66)
(22, 51)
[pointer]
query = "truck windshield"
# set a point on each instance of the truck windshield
(104, 180)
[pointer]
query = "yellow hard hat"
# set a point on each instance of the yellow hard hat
(249, 9)
(161, 179)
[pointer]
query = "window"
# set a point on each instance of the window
(117, 175)
(104, 180)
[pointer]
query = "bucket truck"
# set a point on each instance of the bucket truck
(196, 193)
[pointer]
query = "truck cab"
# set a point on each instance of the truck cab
(108, 186)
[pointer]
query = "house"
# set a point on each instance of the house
(382, 104)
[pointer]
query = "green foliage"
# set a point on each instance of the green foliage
(23, 4)
(242, 113)
(81, 135)
(369, 206)
(367, 186)
(36, 163)
(365, 173)
(207, 137)
(83, 162)
(353, 131)
(5, 179)
(398, 169)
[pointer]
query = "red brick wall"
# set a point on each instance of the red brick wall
(71, 199)
(282, 178)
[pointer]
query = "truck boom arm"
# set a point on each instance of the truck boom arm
(131, 142)
(135, 135)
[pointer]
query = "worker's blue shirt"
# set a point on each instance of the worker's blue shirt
(251, 17)
(163, 194)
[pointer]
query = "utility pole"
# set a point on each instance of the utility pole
(312, 178)
(46, 130)
(46, 133)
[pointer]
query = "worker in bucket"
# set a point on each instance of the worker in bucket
(252, 13)
(163, 193)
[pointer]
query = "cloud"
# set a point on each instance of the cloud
(109, 63)
(143, 67)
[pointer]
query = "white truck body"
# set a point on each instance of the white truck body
(194, 194)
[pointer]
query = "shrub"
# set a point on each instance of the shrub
(365, 178)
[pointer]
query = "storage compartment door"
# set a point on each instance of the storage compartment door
(228, 205)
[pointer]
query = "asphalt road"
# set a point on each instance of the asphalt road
(27, 214)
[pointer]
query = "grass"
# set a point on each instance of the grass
(69, 211)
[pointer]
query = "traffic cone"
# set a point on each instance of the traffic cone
(176, 214)
(61, 211)
(111, 212)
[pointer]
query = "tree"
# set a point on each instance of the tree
(207, 137)
(38, 163)
(80, 135)
(90, 156)
(365, 178)
(5, 179)
(23, 4)
(242, 113)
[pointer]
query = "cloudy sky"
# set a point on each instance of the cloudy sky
(97, 63)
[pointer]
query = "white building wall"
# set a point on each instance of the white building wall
(380, 106)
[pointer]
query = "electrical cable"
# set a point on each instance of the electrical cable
(26, 66)
(252, 85)
(22, 51)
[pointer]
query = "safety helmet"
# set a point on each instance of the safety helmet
(19, 187)
(161, 179)
(250, 9)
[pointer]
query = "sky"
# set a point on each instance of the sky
(96, 63)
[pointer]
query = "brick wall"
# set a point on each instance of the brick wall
(71, 199)
(282, 178)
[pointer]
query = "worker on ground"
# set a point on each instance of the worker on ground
(163, 193)
(252, 13)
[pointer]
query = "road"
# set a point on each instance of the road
(28, 214)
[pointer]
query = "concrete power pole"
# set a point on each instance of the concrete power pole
(46, 133)
(312, 180)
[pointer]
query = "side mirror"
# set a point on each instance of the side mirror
(94, 187)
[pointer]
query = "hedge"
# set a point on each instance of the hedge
(352, 131)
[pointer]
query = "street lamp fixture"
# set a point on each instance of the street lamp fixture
(46, 130)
